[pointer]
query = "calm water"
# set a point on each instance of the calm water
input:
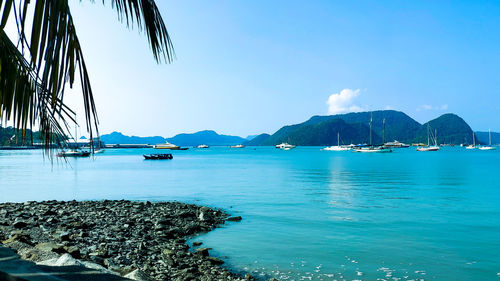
(308, 214)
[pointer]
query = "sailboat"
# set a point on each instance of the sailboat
(488, 147)
(473, 145)
(435, 147)
(371, 148)
(75, 152)
(337, 147)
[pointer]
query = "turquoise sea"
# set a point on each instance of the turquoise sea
(307, 214)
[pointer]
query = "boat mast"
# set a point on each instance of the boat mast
(435, 137)
(383, 131)
(371, 121)
(76, 134)
(490, 136)
(428, 135)
(473, 139)
(338, 138)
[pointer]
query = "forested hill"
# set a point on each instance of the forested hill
(354, 128)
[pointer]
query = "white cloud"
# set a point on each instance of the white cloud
(425, 107)
(343, 102)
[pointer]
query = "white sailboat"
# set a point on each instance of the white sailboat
(76, 151)
(337, 147)
(473, 145)
(435, 147)
(371, 148)
(488, 147)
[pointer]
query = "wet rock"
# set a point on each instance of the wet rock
(50, 247)
(19, 224)
(215, 260)
(64, 236)
(138, 276)
(237, 218)
(73, 251)
(197, 244)
(203, 252)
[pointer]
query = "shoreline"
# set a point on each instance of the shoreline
(124, 237)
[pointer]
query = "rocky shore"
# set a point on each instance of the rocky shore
(138, 240)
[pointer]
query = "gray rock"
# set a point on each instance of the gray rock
(19, 224)
(64, 236)
(215, 260)
(138, 276)
(237, 218)
(203, 251)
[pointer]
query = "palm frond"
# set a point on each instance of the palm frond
(33, 83)
(23, 99)
(146, 15)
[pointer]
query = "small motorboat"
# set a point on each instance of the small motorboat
(373, 149)
(158, 156)
(285, 146)
(202, 146)
(395, 144)
(237, 146)
(428, 148)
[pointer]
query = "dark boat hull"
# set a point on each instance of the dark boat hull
(158, 156)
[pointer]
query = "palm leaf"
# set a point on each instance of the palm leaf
(33, 84)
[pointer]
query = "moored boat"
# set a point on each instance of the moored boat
(285, 146)
(202, 146)
(337, 147)
(434, 147)
(395, 144)
(73, 153)
(488, 147)
(237, 146)
(473, 145)
(373, 149)
(428, 148)
(158, 156)
(167, 145)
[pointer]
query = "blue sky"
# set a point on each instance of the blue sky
(248, 67)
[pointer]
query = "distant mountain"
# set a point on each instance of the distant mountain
(354, 128)
(483, 137)
(202, 137)
(251, 137)
(205, 137)
(119, 138)
(257, 140)
(450, 129)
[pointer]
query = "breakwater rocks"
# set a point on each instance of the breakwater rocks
(142, 238)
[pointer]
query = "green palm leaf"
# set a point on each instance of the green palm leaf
(32, 82)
